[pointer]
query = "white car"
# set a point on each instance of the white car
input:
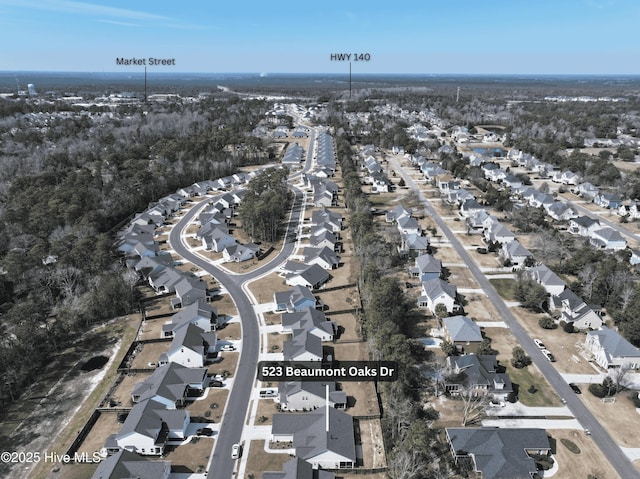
(539, 343)
(235, 451)
(228, 347)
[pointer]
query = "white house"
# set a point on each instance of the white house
(437, 291)
(608, 238)
(611, 350)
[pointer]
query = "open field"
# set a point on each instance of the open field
(228, 364)
(505, 287)
(147, 353)
(480, 308)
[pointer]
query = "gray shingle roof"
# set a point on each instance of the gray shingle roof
(500, 453)
(129, 465)
(462, 328)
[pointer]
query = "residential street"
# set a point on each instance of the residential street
(609, 448)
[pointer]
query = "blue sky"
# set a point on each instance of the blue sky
(428, 36)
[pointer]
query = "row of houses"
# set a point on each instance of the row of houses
(374, 173)
(158, 416)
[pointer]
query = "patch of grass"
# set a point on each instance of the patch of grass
(572, 446)
(505, 287)
(524, 378)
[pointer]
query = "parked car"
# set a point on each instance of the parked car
(548, 355)
(214, 383)
(482, 250)
(235, 451)
(205, 431)
(539, 343)
(575, 388)
(268, 393)
(228, 347)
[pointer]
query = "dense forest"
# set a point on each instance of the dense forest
(68, 178)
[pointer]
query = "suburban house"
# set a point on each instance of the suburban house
(325, 257)
(561, 211)
(216, 238)
(326, 239)
(148, 428)
(199, 313)
(583, 226)
(304, 346)
(313, 277)
(240, 252)
(470, 207)
(408, 225)
(188, 291)
(170, 385)
(575, 310)
(498, 233)
(326, 216)
(446, 186)
(312, 321)
(164, 280)
(611, 350)
(125, 464)
(413, 244)
(585, 190)
(309, 395)
(153, 265)
(608, 200)
(327, 443)
(551, 282)
(426, 267)
(298, 298)
(607, 238)
(437, 291)
(478, 374)
(190, 347)
(396, 213)
(499, 453)
(515, 253)
(462, 332)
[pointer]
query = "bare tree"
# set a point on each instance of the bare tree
(588, 277)
(406, 465)
(620, 377)
(474, 403)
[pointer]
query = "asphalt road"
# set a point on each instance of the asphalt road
(233, 419)
(603, 440)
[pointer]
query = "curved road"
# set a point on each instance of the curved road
(233, 419)
(603, 440)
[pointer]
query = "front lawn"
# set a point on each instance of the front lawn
(505, 287)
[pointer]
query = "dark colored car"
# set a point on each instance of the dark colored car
(205, 431)
(575, 388)
(482, 250)
(214, 383)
